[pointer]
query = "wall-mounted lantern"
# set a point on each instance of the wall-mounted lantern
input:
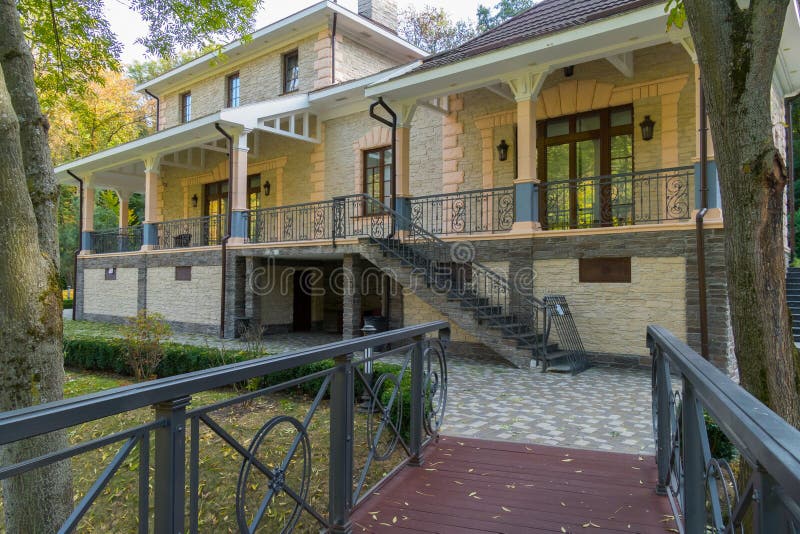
(194, 201)
(647, 126)
(502, 150)
(267, 187)
(569, 71)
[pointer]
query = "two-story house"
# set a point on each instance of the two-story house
(327, 170)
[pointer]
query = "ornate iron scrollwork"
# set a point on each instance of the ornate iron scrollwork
(505, 212)
(677, 192)
(319, 222)
(434, 387)
(288, 472)
(458, 215)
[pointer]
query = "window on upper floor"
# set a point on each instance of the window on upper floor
(378, 176)
(291, 72)
(233, 90)
(186, 107)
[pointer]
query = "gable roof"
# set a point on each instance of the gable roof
(543, 18)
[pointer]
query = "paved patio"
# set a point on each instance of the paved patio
(606, 409)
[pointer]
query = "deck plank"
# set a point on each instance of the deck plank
(472, 486)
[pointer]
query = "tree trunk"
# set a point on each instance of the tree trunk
(737, 49)
(31, 362)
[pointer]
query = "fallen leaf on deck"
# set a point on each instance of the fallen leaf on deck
(567, 460)
(505, 509)
(563, 530)
(590, 524)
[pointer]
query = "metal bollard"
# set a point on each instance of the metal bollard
(367, 330)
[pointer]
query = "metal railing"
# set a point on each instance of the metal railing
(287, 475)
(194, 232)
(299, 222)
(467, 212)
(703, 490)
(450, 268)
(617, 200)
(117, 240)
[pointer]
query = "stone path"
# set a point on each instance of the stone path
(605, 409)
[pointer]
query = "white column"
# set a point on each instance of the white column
(124, 198)
(87, 217)
(152, 177)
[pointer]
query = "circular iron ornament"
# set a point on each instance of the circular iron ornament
(458, 216)
(677, 198)
(381, 437)
(299, 452)
(719, 472)
(434, 387)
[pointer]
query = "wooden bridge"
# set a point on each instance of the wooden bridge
(470, 486)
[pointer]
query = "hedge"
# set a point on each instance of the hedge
(68, 303)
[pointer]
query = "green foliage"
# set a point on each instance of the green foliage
(721, 447)
(143, 336)
(502, 11)
(146, 70)
(68, 303)
(432, 30)
(676, 14)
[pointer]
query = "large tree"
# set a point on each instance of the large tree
(737, 46)
(432, 30)
(501, 12)
(63, 45)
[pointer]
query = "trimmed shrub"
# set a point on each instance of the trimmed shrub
(68, 303)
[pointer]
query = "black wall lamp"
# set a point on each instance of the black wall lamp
(267, 187)
(194, 201)
(569, 71)
(647, 126)
(502, 150)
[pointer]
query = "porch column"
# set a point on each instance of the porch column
(712, 179)
(152, 176)
(402, 160)
(124, 198)
(526, 184)
(239, 205)
(87, 217)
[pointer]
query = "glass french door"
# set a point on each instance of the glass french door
(216, 203)
(585, 160)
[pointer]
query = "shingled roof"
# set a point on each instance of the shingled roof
(544, 18)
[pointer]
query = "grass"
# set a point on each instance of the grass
(116, 510)
(91, 329)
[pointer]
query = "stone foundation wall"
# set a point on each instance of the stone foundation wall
(114, 298)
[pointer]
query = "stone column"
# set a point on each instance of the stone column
(87, 217)
(526, 184)
(152, 176)
(402, 161)
(352, 266)
(239, 192)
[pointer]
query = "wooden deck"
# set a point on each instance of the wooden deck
(469, 486)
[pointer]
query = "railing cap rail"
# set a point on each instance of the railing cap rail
(760, 435)
(40, 419)
(463, 193)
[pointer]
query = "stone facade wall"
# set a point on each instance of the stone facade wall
(416, 311)
(384, 12)
(260, 79)
(614, 317)
(116, 298)
(193, 301)
(354, 60)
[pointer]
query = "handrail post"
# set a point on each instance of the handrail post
(694, 469)
(170, 475)
(417, 402)
(663, 393)
(340, 479)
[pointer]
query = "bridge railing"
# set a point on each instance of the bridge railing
(279, 486)
(711, 491)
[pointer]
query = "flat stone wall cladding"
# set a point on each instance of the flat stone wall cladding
(652, 252)
(196, 301)
(354, 60)
(111, 297)
(416, 311)
(353, 267)
(384, 12)
(260, 79)
(614, 317)
(425, 153)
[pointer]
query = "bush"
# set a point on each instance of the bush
(143, 337)
(68, 303)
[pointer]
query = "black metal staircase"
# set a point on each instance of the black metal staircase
(510, 320)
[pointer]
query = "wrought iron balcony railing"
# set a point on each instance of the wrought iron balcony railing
(279, 487)
(195, 232)
(467, 212)
(117, 240)
(704, 491)
(299, 222)
(617, 200)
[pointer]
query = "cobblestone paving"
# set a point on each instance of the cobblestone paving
(604, 409)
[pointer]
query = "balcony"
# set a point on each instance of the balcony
(647, 197)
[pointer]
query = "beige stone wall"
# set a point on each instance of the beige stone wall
(354, 60)
(277, 304)
(194, 301)
(111, 297)
(613, 318)
(416, 311)
(260, 78)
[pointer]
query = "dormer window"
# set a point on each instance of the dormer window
(186, 107)
(291, 72)
(233, 90)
